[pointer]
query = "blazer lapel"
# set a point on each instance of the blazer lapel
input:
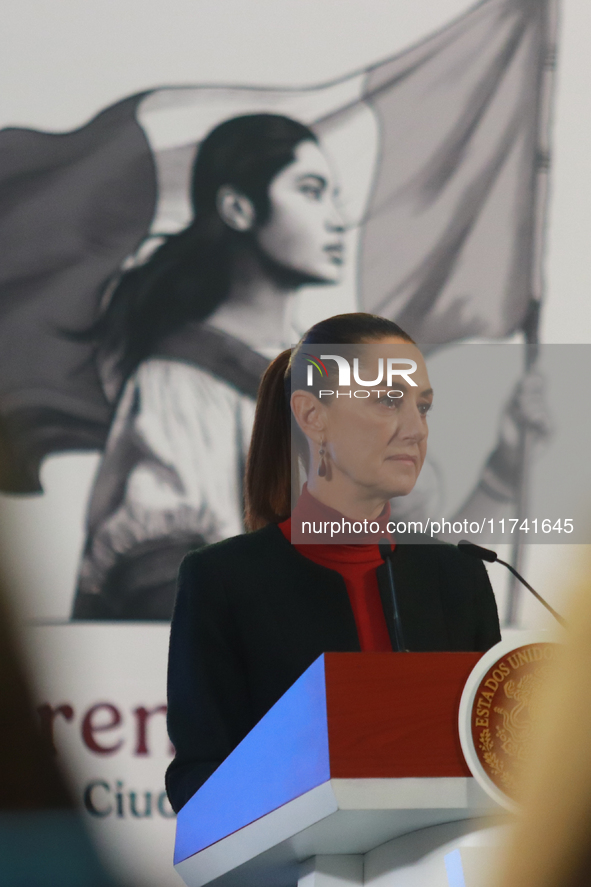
(419, 600)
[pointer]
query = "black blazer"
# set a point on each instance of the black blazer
(252, 614)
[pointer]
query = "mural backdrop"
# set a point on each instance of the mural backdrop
(139, 306)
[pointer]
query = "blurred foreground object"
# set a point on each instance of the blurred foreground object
(551, 845)
(43, 841)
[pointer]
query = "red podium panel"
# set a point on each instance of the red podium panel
(395, 715)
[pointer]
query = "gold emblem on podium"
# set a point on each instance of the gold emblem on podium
(499, 713)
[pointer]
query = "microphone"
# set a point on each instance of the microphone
(485, 554)
(385, 552)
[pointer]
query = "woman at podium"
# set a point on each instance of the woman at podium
(254, 611)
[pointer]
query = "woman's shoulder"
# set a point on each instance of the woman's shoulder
(248, 550)
(217, 355)
(160, 371)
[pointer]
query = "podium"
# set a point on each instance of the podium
(362, 749)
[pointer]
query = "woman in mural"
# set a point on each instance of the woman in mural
(186, 336)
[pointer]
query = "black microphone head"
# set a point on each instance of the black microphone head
(385, 548)
(484, 554)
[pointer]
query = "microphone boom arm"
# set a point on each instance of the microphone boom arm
(544, 603)
(485, 554)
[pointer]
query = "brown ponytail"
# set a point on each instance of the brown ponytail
(267, 484)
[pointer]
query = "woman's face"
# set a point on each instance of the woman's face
(304, 231)
(376, 445)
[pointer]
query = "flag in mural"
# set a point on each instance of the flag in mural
(443, 141)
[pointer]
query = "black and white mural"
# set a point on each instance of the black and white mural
(151, 259)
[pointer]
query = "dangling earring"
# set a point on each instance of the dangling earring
(322, 465)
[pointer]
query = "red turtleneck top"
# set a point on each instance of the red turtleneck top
(357, 565)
